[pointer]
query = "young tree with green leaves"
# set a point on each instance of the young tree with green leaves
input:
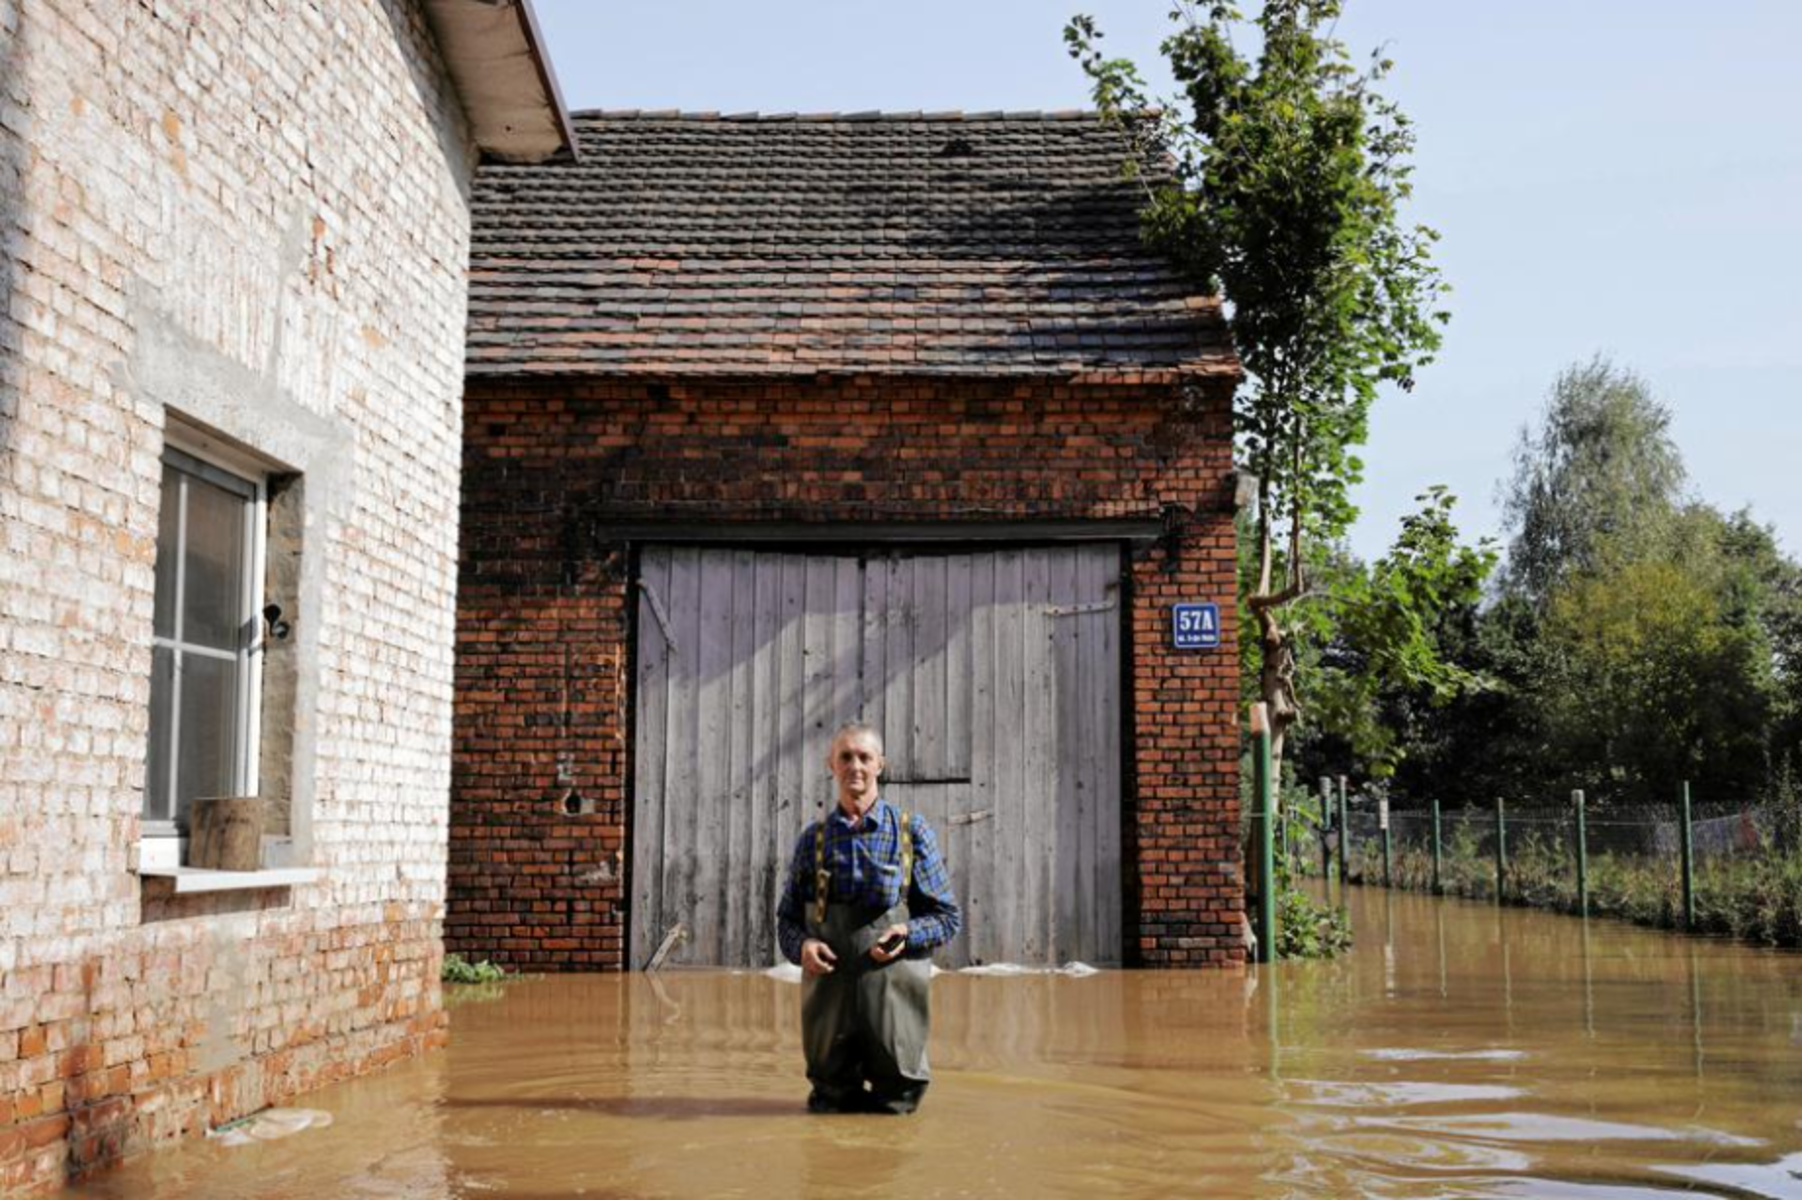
(1288, 172)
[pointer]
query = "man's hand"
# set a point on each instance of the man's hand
(817, 957)
(889, 946)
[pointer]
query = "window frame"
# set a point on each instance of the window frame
(205, 458)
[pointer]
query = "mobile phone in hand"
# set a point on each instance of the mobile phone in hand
(892, 943)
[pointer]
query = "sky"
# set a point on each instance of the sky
(1621, 177)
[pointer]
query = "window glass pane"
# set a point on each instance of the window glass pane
(167, 550)
(209, 707)
(162, 700)
(213, 589)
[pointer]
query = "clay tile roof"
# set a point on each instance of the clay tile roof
(994, 244)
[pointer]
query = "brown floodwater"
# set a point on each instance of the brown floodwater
(1461, 1050)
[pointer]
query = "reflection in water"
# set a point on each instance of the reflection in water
(1439, 930)
(1780, 1178)
(1461, 1050)
(1589, 984)
(1403, 1054)
(1695, 1009)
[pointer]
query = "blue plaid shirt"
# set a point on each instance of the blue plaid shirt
(863, 861)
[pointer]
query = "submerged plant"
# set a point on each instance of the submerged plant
(458, 969)
(1306, 928)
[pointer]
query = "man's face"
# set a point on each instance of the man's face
(855, 762)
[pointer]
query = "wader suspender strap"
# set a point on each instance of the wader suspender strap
(907, 857)
(821, 878)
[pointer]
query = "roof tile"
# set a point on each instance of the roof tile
(946, 244)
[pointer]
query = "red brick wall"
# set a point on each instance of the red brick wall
(543, 659)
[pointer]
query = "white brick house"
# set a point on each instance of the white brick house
(233, 248)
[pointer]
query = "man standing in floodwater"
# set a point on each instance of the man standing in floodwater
(866, 902)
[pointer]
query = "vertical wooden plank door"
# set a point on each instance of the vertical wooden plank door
(995, 679)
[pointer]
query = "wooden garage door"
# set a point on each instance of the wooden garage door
(995, 679)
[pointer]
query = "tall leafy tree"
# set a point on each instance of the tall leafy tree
(1288, 173)
(1651, 682)
(1599, 476)
(1647, 637)
(1764, 585)
(1389, 630)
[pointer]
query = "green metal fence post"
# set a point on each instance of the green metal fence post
(1501, 851)
(1383, 827)
(1582, 856)
(1344, 836)
(1266, 835)
(1436, 889)
(1689, 863)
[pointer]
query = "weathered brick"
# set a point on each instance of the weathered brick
(274, 205)
(550, 467)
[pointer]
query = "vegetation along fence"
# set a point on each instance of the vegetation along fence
(1708, 866)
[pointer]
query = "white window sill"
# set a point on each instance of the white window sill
(196, 879)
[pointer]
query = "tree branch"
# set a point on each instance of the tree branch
(1262, 602)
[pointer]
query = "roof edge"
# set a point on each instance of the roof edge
(494, 52)
(753, 116)
(547, 73)
(1225, 368)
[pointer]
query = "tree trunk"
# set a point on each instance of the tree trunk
(1277, 684)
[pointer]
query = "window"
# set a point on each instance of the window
(205, 672)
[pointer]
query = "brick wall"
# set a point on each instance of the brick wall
(254, 214)
(543, 661)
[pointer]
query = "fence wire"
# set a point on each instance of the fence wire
(1745, 859)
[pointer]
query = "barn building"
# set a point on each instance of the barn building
(776, 422)
(233, 240)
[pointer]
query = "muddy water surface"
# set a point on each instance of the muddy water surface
(1460, 1051)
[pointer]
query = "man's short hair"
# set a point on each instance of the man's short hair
(858, 729)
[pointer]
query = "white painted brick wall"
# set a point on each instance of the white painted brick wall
(283, 185)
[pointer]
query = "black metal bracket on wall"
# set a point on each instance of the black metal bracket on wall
(1173, 522)
(864, 534)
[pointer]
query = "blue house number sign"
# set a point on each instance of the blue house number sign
(1195, 626)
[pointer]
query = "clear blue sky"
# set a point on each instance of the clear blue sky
(1621, 176)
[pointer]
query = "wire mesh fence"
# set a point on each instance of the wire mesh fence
(1741, 873)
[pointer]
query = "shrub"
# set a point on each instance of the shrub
(459, 970)
(1306, 929)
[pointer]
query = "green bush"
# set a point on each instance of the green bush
(457, 969)
(1306, 929)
